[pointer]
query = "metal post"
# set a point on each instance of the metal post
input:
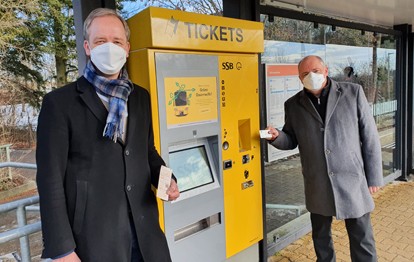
(8, 160)
(81, 10)
(242, 9)
(404, 44)
(24, 241)
(388, 77)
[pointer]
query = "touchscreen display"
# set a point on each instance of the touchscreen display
(191, 167)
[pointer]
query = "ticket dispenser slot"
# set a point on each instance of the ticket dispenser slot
(197, 227)
(245, 143)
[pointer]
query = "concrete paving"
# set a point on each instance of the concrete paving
(393, 222)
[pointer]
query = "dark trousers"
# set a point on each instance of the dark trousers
(361, 238)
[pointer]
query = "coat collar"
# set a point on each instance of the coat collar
(95, 105)
(333, 98)
(132, 115)
(91, 99)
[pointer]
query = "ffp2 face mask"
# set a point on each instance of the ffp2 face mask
(109, 58)
(313, 81)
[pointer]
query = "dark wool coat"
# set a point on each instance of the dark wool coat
(86, 182)
(340, 158)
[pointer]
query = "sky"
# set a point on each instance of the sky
(132, 8)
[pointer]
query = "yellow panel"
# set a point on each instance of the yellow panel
(172, 29)
(141, 70)
(141, 31)
(240, 127)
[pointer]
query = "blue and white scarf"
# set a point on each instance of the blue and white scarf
(117, 91)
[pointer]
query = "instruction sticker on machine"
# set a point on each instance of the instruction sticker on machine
(190, 100)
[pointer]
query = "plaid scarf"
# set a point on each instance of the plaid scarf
(117, 91)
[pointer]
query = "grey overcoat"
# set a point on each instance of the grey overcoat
(341, 158)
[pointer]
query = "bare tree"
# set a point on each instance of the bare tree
(209, 7)
(19, 78)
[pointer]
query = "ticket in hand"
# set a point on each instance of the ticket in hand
(265, 134)
(164, 182)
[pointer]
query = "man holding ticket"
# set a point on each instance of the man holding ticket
(340, 151)
(96, 160)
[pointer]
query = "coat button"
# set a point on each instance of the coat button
(327, 151)
(331, 173)
(128, 187)
(127, 152)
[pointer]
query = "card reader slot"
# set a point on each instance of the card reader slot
(196, 227)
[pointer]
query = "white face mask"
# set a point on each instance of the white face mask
(313, 81)
(109, 58)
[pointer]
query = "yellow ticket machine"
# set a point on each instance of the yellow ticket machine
(202, 75)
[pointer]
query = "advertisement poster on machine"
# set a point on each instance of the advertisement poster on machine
(190, 100)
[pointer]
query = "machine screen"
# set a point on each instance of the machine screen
(191, 167)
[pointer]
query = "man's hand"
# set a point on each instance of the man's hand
(273, 131)
(173, 192)
(373, 189)
(72, 257)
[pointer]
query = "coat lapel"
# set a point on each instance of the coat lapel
(334, 95)
(91, 99)
(132, 114)
(307, 104)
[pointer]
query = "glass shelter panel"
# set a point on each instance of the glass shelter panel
(365, 58)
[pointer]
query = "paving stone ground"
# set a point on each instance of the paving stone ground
(393, 222)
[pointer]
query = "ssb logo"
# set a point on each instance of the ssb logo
(230, 66)
(227, 66)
